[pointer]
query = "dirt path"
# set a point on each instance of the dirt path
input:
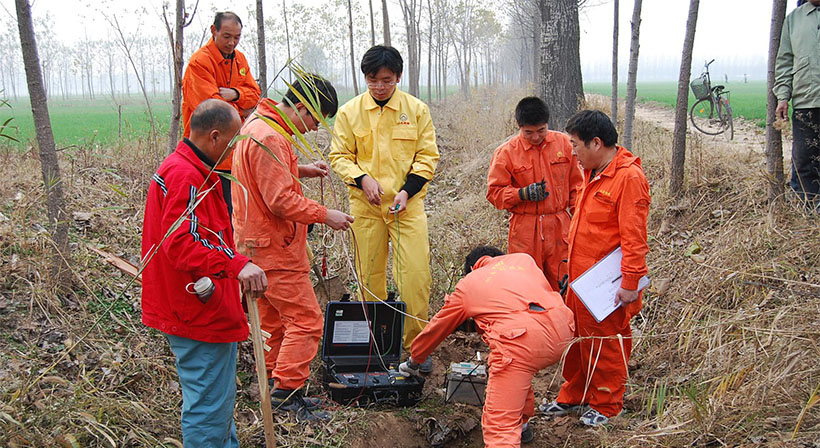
(748, 136)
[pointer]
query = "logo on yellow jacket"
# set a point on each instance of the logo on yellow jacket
(243, 71)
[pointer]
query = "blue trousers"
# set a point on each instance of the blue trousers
(207, 375)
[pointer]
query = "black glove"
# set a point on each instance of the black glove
(536, 191)
(562, 284)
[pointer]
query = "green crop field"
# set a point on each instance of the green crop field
(82, 122)
(747, 100)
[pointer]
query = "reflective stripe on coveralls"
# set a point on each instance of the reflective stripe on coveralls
(388, 144)
(612, 211)
(497, 295)
(271, 228)
(537, 228)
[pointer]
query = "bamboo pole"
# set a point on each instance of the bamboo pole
(261, 372)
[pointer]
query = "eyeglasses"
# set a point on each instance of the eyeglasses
(379, 84)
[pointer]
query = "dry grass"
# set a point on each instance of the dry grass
(726, 350)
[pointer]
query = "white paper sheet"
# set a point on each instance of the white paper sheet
(598, 286)
(351, 332)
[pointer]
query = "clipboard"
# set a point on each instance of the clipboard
(598, 285)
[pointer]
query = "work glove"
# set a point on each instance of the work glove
(562, 284)
(409, 368)
(536, 191)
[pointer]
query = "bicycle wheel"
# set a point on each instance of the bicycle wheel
(726, 120)
(705, 117)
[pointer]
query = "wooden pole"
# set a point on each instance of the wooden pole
(261, 372)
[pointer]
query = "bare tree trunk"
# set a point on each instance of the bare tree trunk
(430, 55)
(52, 181)
(615, 66)
(560, 85)
(352, 55)
(409, 9)
(385, 24)
(679, 139)
(262, 58)
(774, 140)
(632, 76)
(372, 25)
(176, 90)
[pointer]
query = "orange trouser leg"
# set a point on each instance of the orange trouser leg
(595, 370)
(544, 238)
(509, 398)
(290, 312)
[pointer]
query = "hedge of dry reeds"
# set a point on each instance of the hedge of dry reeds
(726, 350)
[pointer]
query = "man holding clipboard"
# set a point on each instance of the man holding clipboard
(611, 212)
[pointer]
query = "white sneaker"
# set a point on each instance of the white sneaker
(594, 418)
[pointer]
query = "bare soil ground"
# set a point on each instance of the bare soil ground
(725, 350)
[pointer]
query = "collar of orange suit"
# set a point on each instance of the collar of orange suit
(393, 103)
(267, 108)
(621, 159)
(216, 54)
(548, 139)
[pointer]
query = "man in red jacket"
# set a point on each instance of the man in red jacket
(190, 290)
(611, 212)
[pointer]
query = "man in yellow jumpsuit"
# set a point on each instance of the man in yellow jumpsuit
(386, 152)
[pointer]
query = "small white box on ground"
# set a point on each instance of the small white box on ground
(466, 383)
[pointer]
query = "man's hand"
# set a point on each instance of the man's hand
(338, 220)
(625, 296)
(409, 368)
(782, 111)
(228, 94)
(253, 280)
(400, 203)
(535, 192)
(372, 190)
(316, 169)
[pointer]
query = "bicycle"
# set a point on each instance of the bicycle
(711, 113)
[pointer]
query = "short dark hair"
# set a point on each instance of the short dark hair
(532, 111)
(382, 56)
(588, 124)
(212, 114)
(472, 258)
(320, 89)
(226, 15)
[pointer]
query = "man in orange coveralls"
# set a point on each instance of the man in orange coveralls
(534, 176)
(525, 323)
(271, 228)
(218, 70)
(612, 210)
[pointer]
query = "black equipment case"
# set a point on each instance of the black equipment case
(354, 372)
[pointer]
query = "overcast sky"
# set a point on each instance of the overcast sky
(732, 31)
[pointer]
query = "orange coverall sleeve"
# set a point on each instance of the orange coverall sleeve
(576, 180)
(450, 316)
(249, 92)
(633, 212)
(500, 191)
(276, 183)
(200, 84)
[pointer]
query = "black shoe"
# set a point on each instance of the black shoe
(526, 433)
(292, 401)
(312, 402)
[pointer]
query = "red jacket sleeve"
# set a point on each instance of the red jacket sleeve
(633, 212)
(451, 315)
(276, 182)
(191, 247)
(500, 191)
